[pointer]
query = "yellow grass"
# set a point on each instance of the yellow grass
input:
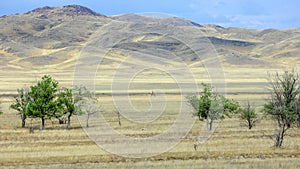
(231, 145)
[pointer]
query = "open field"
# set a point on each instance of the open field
(126, 58)
(231, 145)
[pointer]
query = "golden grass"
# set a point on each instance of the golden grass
(231, 146)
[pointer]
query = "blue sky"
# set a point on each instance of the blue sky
(261, 14)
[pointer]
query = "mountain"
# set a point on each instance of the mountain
(50, 39)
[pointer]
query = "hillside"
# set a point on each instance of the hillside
(51, 40)
(141, 69)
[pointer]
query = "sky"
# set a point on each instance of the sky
(258, 14)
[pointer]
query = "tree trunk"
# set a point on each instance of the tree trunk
(211, 124)
(280, 136)
(119, 119)
(250, 124)
(69, 122)
(23, 120)
(43, 123)
(87, 120)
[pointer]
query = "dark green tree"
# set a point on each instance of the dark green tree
(212, 106)
(205, 102)
(43, 102)
(20, 104)
(283, 105)
(249, 116)
(67, 104)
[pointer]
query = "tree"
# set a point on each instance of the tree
(284, 103)
(249, 116)
(43, 100)
(86, 102)
(0, 110)
(67, 104)
(20, 104)
(90, 106)
(212, 106)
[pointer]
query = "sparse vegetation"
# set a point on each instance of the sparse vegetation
(283, 105)
(45, 101)
(86, 102)
(249, 116)
(21, 103)
(51, 41)
(0, 109)
(212, 106)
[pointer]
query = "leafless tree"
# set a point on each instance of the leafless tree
(89, 106)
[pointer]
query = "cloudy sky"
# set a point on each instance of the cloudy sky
(261, 14)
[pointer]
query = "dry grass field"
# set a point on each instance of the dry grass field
(232, 145)
(58, 45)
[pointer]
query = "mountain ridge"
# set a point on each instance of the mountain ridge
(54, 35)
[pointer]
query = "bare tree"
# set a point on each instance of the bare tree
(20, 104)
(86, 102)
(89, 106)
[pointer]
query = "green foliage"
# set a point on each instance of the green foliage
(212, 106)
(284, 103)
(249, 115)
(43, 100)
(66, 102)
(205, 101)
(231, 107)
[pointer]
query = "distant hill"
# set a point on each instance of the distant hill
(52, 37)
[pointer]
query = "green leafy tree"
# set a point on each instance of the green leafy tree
(212, 106)
(249, 116)
(67, 104)
(283, 105)
(43, 100)
(20, 104)
(205, 102)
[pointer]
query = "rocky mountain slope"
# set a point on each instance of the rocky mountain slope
(54, 37)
